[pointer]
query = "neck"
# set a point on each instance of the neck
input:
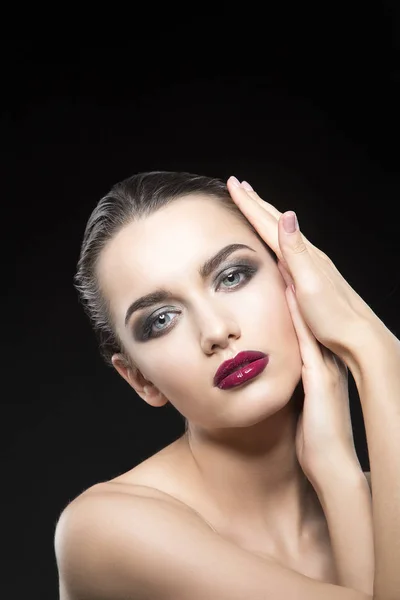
(253, 476)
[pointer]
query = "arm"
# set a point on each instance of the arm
(124, 547)
(374, 361)
(340, 320)
(346, 501)
(325, 450)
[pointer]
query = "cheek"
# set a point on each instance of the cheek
(173, 373)
(274, 306)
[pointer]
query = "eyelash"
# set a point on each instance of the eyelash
(247, 270)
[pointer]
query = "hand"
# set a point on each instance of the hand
(335, 313)
(324, 435)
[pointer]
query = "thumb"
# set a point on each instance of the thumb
(294, 250)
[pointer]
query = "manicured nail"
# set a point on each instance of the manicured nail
(235, 182)
(247, 186)
(290, 222)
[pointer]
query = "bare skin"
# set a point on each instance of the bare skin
(172, 472)
(240, 456)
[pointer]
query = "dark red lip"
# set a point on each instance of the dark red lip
(229, 366)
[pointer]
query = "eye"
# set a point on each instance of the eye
(151, 331)
(232, 274)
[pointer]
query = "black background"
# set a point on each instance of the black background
(313, 126)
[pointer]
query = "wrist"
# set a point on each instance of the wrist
(341, 470)
(371, 344)
(347, 506)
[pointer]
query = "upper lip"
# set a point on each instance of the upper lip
(233, 364)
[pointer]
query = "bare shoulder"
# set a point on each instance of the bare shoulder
(137, 545)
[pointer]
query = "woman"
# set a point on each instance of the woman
(258, 499)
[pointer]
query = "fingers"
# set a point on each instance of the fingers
(274, 211)
(285, 274)
(310, 349)
(296, 254)
(256, 213)
(289, 246)
(240, 193)
(316, 357)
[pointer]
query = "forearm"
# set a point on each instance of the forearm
(375, 364)
(346, 501)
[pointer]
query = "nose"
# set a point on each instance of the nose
(218, 330)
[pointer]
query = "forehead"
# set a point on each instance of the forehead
(167, 247)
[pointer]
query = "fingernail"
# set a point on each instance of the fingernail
(290, 223)
(247, 186)
(235, 181)
(292, 286)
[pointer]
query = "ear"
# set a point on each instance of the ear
(144, 388)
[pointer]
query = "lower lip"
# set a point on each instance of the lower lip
(244, 374)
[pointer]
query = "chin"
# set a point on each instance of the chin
(258, 410)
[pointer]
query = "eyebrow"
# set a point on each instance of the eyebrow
(161, 295)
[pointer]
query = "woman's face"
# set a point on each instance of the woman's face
(177, 344)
